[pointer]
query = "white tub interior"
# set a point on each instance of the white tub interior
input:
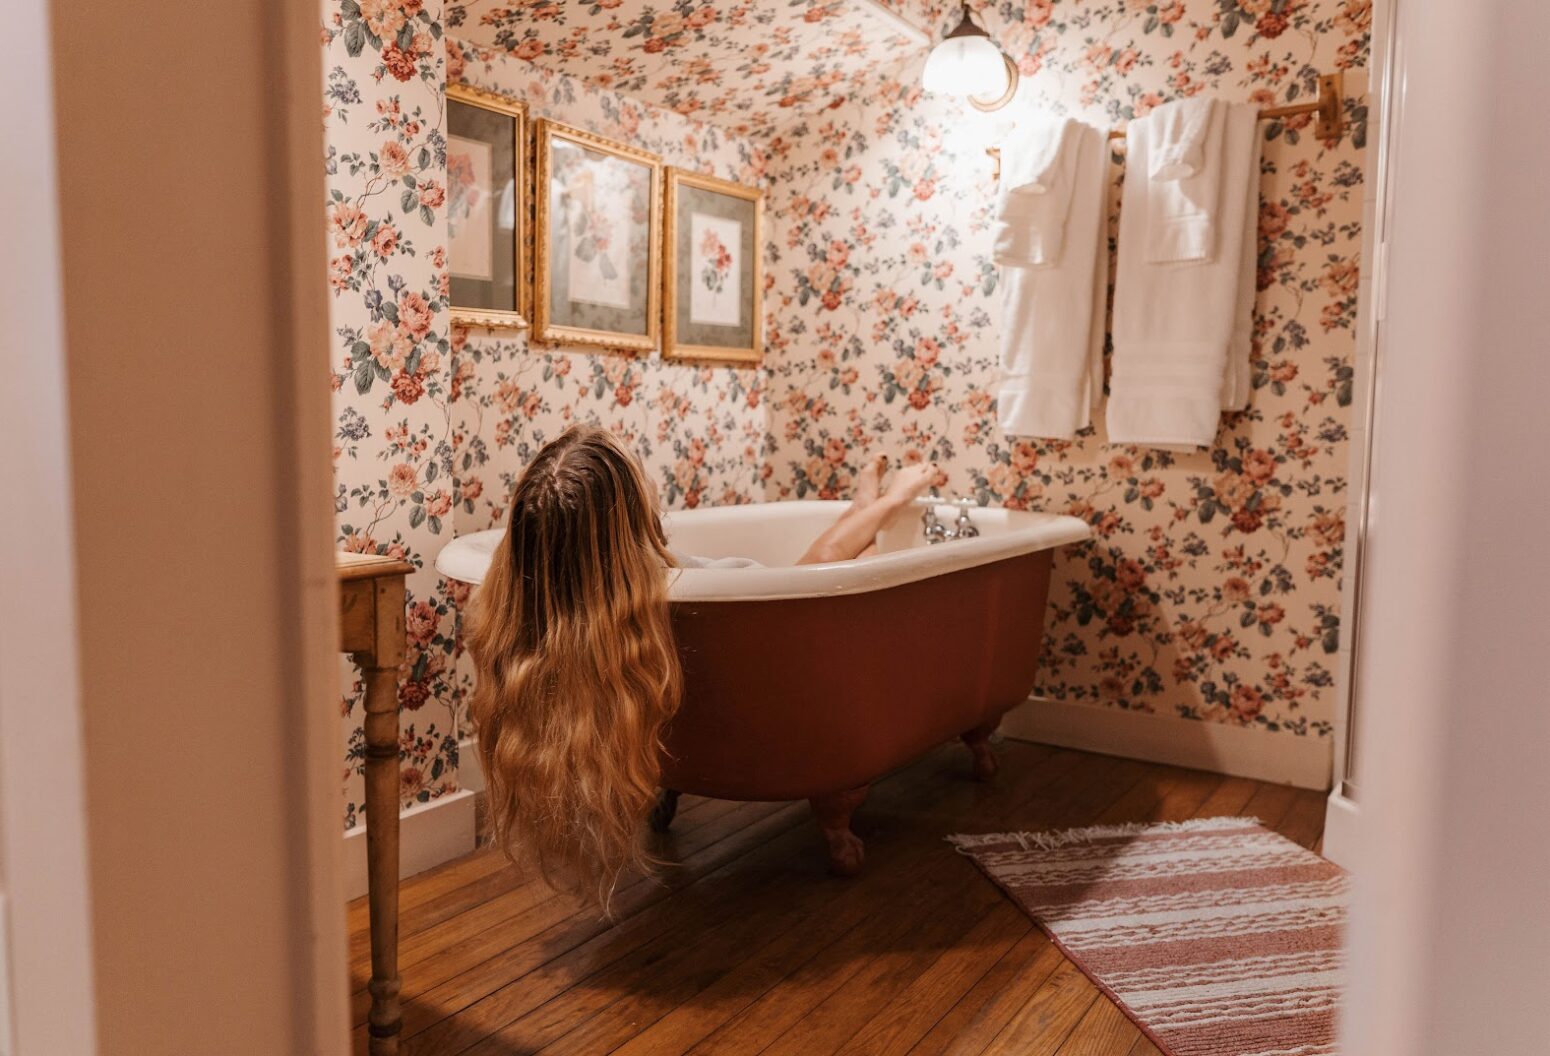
(777, 533)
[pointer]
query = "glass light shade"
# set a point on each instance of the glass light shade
(965, 65)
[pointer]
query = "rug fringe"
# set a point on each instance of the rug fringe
(1049, 841)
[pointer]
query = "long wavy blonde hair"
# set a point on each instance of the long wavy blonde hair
(578, 672)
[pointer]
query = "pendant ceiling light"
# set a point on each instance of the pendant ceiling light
(967, 62)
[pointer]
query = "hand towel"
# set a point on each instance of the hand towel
(1178, 135)
(1052, 328)
(1182, 216)
(1181, 329)
(1037, 168)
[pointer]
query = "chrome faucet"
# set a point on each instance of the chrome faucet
(937, 532)
(964, 528)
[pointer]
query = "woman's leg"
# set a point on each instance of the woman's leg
(856, 530)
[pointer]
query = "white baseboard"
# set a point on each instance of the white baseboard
(470, 773)
(1341, 825)
(428, 834)
(1306, 762)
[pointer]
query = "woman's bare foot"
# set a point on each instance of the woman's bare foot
(869, 481)
(910, 483)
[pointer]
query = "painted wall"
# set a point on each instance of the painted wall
(1212, 589)
(1450, 942)
(195, 322)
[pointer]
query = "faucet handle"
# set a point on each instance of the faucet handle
(932, 528)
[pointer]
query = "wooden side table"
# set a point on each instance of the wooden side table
(371, 630)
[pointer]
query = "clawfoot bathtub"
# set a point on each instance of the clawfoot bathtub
(812, 681)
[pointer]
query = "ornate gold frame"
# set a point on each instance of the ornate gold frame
(671, 347)
(546, 131)
(491, 318)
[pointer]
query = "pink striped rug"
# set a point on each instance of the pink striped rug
(1216, 937)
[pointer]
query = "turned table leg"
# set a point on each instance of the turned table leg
(371, 630)
(385, 1019)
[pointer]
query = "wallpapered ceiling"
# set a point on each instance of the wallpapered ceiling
(749, 67)
(1212, 589)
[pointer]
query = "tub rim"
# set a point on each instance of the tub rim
(1026, 532)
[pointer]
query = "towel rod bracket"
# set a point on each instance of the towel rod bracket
(1331, 106)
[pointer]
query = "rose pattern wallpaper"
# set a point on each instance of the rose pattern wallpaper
(749, 67)
(395, 493)
(1211, 590)
(433, 425)
(699, 430)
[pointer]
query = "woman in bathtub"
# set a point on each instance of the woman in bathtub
(577, 668)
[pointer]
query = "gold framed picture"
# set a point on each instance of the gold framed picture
(713, 267)
(486, 208)
(597, 261)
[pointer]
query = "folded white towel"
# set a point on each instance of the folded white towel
(1182, 211)
(1037, 167)
(1237, 385)
(1178, 135)
(1052, 330)
(1182, 329)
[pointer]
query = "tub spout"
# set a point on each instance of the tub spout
(934, 530)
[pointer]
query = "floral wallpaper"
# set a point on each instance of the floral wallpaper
(394, 489)
(1211, 590)
(432, 424)
(700, 430)
(749, 67)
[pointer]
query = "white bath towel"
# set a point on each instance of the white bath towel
(1182, 329)
(1178, 137)
(1052, 330)
(1038, 163)
(1182, 209)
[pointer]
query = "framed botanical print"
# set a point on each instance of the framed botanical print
(713, 269)
(597, 241)
(486, 208)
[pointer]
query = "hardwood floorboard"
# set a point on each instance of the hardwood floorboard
(1304, 821)
(475, 879)
(746, 948)
(1047, 1018)
(1103, 1031)
(510, 1008)
(1160, 794)
(902, 1021)
(976, 1018)
(776, 1014)
(475, 955)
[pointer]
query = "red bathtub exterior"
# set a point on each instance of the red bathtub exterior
(815, 697)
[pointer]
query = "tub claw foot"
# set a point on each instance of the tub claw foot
(846, 851)
(662, 814)
(978, 742)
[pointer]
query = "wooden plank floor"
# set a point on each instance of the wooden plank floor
(747, 946)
